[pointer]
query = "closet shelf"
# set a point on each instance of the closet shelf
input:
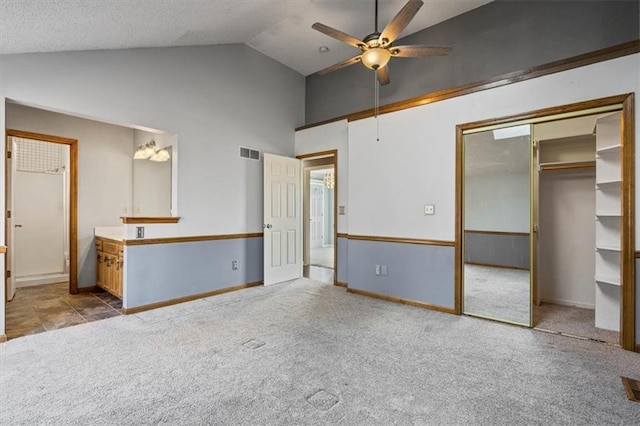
(609, 184)
(613, 149)
(567, 165)
(606, 247)
(608, 215)
(608, 219)
(608, 280)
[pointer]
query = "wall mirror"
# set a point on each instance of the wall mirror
(497, 224)
(154, 174)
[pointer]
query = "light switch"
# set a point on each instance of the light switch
(341, 210)
(429, 209)
(384, 271)
(378, 270)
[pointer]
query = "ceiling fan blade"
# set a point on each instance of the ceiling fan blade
(418, 50)
(339, 65)
(338, 35)
(383, 75)
(400, 22)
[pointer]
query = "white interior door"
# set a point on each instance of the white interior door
(38, 205)
(282, 219)
(10, 258)
(316, 220)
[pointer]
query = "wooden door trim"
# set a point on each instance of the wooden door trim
(326, 154)
(628, 284)
(73, 195)
(628, 290)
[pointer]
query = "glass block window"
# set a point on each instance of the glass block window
(38, 156)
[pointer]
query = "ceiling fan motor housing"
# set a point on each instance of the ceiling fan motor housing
(373, 40)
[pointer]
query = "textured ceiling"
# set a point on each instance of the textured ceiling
(279, 29)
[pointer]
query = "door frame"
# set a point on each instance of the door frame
(306, 213)
(316, 156)
(628, 254)
(73, 198)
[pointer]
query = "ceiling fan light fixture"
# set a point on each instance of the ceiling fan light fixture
(375, 58)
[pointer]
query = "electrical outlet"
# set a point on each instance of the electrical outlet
(139, 231)
(429, 209)
(234, 265)
(378, 272)
(125, 209)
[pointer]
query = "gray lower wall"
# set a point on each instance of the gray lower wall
(495, 39)
(342, 261)
(499, 250)
(416, 272)
(160, 272)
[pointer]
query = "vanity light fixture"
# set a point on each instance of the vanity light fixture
(150, 152)
(144, 152)
(161, 155)
(329, 180)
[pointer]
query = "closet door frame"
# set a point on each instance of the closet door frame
(624, 103)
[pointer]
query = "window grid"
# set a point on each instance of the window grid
(38, 156)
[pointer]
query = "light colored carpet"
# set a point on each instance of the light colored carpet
(322, 256)
(309, 353)
(571, 320)
(498, 293)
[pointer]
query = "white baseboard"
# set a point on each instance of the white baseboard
(569, 303)
(41, 280)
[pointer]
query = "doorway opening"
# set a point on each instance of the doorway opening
(574, 207)
(41, 216)
(577, 184)
(319, 216)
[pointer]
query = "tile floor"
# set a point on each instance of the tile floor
(322, 256)
(318, 273)
(48, 307)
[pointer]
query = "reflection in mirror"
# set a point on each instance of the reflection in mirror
(154, 174)
(496, 214)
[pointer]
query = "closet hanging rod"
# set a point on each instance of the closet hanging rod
(567, 166)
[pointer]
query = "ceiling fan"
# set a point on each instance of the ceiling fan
(377, 48)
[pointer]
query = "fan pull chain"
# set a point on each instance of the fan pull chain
(376, 110)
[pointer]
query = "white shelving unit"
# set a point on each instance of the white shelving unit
(608, 220)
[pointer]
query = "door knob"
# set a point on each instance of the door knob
(17, 225)
(267, 225)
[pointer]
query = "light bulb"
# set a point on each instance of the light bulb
(375, 58)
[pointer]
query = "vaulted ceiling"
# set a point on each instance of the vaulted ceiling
(278, 29)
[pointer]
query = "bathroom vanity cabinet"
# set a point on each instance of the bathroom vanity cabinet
(110, 261)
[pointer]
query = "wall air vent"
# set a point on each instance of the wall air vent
(251, 154)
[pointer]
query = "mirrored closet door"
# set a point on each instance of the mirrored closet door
(496, 214)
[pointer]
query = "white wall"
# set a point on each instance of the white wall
(214, 97)
(414, 162)
(104, 172)
(497, 202)
(566, 238)
(324, 138)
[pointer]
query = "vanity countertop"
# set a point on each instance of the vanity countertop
(111, 232)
